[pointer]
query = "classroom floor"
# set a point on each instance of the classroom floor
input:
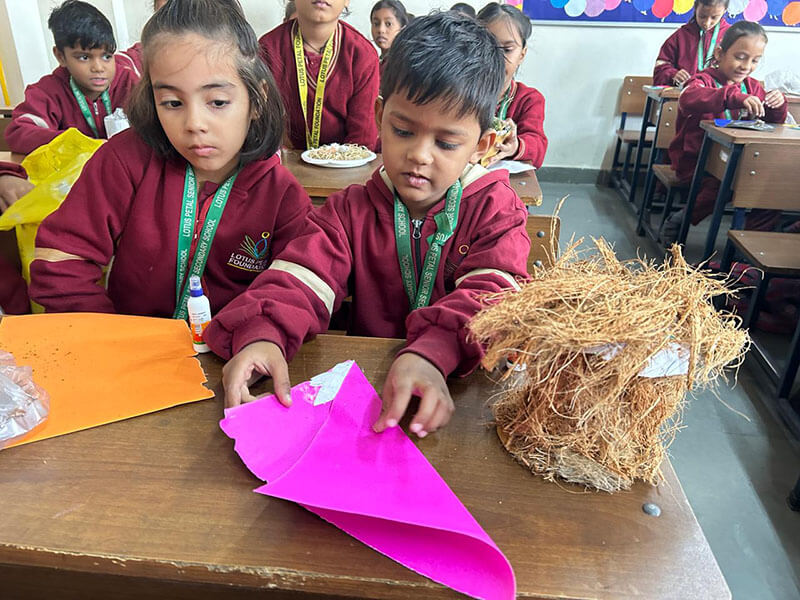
(736, 469)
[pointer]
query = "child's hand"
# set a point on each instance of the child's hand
(753, 105)
(244, 369)
(12, 188)
(774, 99)
(413, 375)
(681, 77)
(509, 146)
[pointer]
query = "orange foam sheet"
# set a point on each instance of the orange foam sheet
(101, 368)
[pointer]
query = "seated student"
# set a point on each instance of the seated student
(522, 107)
(464, 9)
(195, 187)
(416, 246)
(691, 48)
(337, 71)
(724, 91)
(133, 55)
(388, 17)
(13, 291)
(85, 88)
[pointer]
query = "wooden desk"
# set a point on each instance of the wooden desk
(794, 106)
(719, 156)
(161, 507)
(321, 182)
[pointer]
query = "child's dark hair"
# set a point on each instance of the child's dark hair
(446, 56)
(396, 7)
(724, 3)
(493, 11)
(77, 24)
(224, 21)
(741, 29)
(464, 9)
(290, 9)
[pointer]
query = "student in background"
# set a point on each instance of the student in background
(416, 246)
(195, 187)
(522, 107)
(328, 75)
(464, 9)
(13, 291)
(388, 17)
(724, 91)
(85, 88)
(133, 55)
(290, 12)
(691, 48)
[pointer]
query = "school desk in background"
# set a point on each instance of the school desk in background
(100, 368)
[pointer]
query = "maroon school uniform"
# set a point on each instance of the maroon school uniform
(13, 289)
(127, 204)
(527, 111)
(680, 51)
(348, 247)
(348, 111)
(132, 58)
(50, 108)
(701, 100)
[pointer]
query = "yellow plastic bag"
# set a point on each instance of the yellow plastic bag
(52, 168)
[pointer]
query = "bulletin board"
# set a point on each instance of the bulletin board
(779, 13)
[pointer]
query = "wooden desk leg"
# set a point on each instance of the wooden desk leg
(639, 149)
(794, 496)
(649, 180)
(694, 189)
(722, 198)
(790, 369)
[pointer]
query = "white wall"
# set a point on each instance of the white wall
(578, 68)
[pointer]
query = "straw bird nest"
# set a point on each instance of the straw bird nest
(609, 349)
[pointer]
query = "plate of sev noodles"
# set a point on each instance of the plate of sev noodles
(338, 156)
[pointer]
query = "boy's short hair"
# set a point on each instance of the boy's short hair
(77, 24)
(446, 56)
(463, 8)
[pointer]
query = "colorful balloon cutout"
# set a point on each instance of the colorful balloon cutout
(642, 5)
(662, 8)
(756, 10)
(594, 7)
(558, 3)
(736, 7)
(575, 8)
(682, 6)
(612, 4)
(791, 14)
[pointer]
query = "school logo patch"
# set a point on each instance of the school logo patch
(251, 255)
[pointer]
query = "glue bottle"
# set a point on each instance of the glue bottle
(199, 313)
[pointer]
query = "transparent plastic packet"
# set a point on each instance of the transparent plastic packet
(23, 404)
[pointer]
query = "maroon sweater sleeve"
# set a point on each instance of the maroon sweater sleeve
(701, 95)
(75, 242)
(35, 121)
(667, 61)
(280, 306)
(9, 168)
(361, 127)
(438, 332)
(529, 118)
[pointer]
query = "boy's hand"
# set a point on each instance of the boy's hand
(681, 77)
(252, 362)
(753, 105)
(409, 375)
(774, 99)
(12, 188)
(509, 146)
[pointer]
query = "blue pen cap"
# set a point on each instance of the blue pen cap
(195, 287)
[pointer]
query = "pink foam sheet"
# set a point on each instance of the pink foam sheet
(323, 454)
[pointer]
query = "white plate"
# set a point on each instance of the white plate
(338, 164)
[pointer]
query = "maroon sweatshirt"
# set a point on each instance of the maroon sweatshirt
(132, 58)
(527, 111)
(348, 111)
(13, 290)
(680, 51)
(348, 247)
(50, 108)
(701, 100)
(127, 203)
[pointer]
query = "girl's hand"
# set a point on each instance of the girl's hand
(251, 363)
(681, 77)
(12, 188)
(409, 375)
(774, 99)
(753, 105)
(509, 146)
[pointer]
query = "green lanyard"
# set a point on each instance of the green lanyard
(728, 112)
(186, 233)
(84, 106)
(701, 64)
(446, 221)
(504, 103)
